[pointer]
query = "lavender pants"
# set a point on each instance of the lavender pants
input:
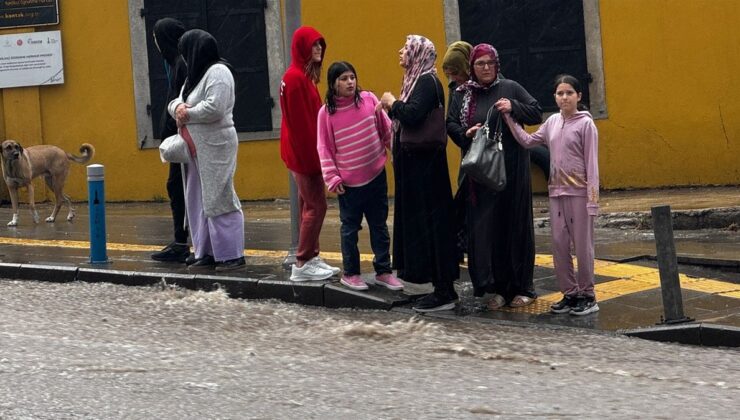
(221, 236)
(571, 224)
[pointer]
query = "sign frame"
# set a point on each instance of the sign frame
(24, 14)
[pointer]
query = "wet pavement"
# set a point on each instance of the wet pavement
(103, 351)
(626, 274)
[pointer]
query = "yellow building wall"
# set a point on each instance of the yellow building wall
(672, 84)
(670, 70)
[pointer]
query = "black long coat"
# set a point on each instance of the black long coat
(423, 234)
(500, 226)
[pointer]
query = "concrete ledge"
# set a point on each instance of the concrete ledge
(697, 334)
(713, 218)
(341, 297)
(244, 288)
(307, 293)
(127, 278)
(50, 273)
(9, 270)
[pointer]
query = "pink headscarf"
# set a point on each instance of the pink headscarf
(467, 109)
(421, 57)
(479, 51)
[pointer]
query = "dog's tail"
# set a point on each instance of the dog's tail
(87, 150)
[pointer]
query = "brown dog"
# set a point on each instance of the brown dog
(21, 166)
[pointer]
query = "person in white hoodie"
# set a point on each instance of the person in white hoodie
(572, 138)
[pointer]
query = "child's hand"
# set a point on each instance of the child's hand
(340, 189)
(503, 105)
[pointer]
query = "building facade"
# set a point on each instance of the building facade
(662, 79)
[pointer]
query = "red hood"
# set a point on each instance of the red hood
(303, 40)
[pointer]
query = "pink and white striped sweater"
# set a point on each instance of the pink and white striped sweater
(352, 142)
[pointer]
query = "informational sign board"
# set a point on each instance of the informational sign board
(31, 59)
(18, 13)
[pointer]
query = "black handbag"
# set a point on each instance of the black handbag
(484, 161)
(431, 133)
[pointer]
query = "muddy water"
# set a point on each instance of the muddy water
(105, 351)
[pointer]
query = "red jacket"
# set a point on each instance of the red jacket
(300, 103)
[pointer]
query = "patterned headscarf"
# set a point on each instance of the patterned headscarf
(457, 57)
(421, 57)
(468, 104)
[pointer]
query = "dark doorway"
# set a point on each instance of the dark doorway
(239, 27)
(536, 40)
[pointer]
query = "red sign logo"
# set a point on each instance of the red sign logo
(19, 42)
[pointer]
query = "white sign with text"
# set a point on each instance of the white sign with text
(31, 59)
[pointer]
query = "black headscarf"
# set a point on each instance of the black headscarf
(167, 32)
(200, 51)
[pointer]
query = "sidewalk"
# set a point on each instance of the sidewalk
(627, 277)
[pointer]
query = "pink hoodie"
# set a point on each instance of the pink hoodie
(574, 154)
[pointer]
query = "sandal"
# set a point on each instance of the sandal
(521, 300)
(496, 302)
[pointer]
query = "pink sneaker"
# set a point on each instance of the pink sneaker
(353, 282)
(389, 280)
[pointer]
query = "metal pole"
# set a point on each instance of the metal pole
(670, 285)
(292, 22)
(96, 204)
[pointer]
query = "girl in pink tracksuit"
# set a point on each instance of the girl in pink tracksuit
(573, 187)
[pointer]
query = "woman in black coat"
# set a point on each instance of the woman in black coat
(423, 225)
(500, 227)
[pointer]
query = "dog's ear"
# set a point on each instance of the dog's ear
(20, 148)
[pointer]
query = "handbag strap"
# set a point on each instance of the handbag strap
(499, 121)
(440, 104)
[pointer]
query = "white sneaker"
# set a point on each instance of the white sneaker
(309, 272)
(320, 262)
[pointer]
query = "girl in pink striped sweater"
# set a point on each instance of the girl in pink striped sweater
(352, 138)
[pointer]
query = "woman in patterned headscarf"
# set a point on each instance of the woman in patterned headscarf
(423, 236)
(500, 228)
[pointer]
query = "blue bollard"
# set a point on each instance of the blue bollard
(96, 204)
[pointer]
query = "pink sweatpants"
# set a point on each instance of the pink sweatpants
(571, 224)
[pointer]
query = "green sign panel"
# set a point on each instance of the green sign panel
(17, 13)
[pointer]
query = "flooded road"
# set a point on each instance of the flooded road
(83, 350)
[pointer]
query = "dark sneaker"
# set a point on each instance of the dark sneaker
(190, 260)
(564, 306)
(230, 265)
(432, 303)
(173, 252)
(206, 261)
(585, 306)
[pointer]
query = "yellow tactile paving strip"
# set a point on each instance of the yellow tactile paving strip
(630, 278)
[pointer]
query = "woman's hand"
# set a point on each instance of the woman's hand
(340, 189)
(387, 100)
(472, 130)
(503, 105)
(181, 114)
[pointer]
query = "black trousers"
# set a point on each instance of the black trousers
(371, 201)
(177, 202)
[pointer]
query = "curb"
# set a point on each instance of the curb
(701, 334)
(323, 293)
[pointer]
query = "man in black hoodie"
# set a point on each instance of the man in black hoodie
(167, 33)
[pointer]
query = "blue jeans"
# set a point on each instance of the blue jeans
(370, 200)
